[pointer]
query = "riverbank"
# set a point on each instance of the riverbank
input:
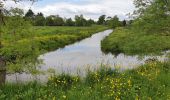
(150, 81)
(124, 40)
(22, 50)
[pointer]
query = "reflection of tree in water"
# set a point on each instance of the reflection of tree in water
(2, 71)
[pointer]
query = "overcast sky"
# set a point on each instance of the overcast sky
(89, 8)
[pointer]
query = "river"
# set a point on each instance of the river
(81, 56)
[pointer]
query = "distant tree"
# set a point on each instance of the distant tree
(2, 9)
(114, 22)
(58, 21)
(124, 22)
(29, 14)
(69, 22)
(55, 20)
(39, 20)
(90, 22)
(40, 14)
(50, 21)
(101, 20)
(108, 19)
(80, 21)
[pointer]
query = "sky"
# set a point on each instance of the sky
(69, 8)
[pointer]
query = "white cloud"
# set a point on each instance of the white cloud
(91, 9)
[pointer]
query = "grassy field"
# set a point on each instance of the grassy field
(124, 40)
(148, 82)
(22, 49)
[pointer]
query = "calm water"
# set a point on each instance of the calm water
(81, 56)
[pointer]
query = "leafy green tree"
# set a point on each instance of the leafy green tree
(14, 51)
(80, 21)
(39, 20)
(90, 22)
(124, 23)
(101, 20)
(114, 22)
(50, 20)
(14, 27)
(58, 21)
(54, 21)
(69, 22)
(40, 14)
(2, 12)
(30, 14)
(152, 16)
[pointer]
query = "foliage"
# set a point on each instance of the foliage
(81, 21)
(152, 16)
(69, 22)
(148, 34)
(56, 20)
(30, 14)
(22, 46)
(123, 40)
(114, 22)
(101, 20)
(149, 81)
(39, 20)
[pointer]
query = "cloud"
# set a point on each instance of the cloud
(89, 8)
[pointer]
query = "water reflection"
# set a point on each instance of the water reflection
(83, 55)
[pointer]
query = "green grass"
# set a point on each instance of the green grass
(21, 50)
(148, 82)
(124, 40)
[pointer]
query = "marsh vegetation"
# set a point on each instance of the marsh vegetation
(24, 37)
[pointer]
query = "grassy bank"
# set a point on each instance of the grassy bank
(21, 50)
(148, 82)
(124, 40)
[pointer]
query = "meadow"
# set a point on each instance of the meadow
(146, 32)
(125, 40)
(147, 82)
(22, 49)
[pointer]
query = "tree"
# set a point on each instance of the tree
(30, 14)
(124, 22)
(58, 21)
(14, 26)
(39, 20)
(50, 20)
(90, 22)
(80, 21)
(69, 22)
(152, 15)
(2, 9)
(54, 20)
(40, 14)
(114, 22)
(101, 20)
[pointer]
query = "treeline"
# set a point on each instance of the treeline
(55, 20)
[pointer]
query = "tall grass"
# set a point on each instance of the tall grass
(22, 50)
(148, 82)
(124, 40)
